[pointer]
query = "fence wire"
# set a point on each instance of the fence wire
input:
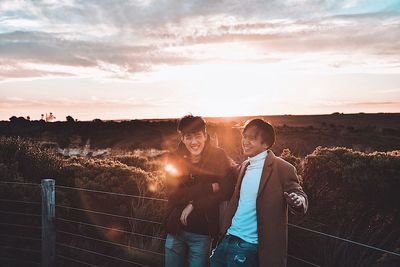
(111, 243)
(345, 240)
(120, 230)
(100, 254)
(74, 260)
(111, 193)
(109, 214)
(21, 225)
(20, 201)
(108, 228)
(19, 260)
(22, 237)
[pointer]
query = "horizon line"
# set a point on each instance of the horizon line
(221, 117)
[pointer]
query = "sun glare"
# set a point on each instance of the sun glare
(220, 89)
(171, 169)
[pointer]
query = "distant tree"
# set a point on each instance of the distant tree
(28, 118)
(41, 116)
(14, 119)
(70, 119)
(97, 121)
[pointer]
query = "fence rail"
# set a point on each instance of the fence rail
(102, 227)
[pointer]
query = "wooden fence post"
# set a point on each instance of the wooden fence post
(48, 227)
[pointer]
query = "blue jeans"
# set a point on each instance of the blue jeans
(233, 251)
(187, 249)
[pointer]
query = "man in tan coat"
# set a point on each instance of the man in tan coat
(255, 223)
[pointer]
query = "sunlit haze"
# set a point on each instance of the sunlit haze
(162, 59)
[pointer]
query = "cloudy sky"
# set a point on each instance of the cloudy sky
(126, 59)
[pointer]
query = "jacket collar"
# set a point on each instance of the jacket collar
(266, 172)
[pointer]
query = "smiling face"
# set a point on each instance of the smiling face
(252, 142)
(195, 142)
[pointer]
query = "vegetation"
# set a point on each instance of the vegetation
(25, 161)
(353, 195)
(301, 134)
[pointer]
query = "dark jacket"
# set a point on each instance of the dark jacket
(278, 176)
(193, 182)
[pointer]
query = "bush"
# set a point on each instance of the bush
(23, 158)
(132, 160)
(353, 195)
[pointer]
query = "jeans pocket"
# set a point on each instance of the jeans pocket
(247, 246)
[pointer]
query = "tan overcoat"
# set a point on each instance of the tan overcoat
(278, 176)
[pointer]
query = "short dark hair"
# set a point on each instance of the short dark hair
(265, 129)
(191, 124)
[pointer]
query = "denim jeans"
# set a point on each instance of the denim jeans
(233, 251)
(187, 249)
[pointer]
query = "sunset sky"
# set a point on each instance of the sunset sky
(124, 59)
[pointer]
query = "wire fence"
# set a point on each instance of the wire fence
(109, 228)
(25, 246)
(111, 193)
(99, 227)
(109, 214)
(101, 254)
(29, 263)
(64, 257)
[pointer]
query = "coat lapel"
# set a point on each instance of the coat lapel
(233, 203)
(266, 172)
(240, 178)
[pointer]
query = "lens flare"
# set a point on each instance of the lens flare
(171, 169)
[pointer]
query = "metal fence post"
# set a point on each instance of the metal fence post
(48, 227)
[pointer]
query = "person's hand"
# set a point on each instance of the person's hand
(215, 187)
(185, 213)
(293, 199)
